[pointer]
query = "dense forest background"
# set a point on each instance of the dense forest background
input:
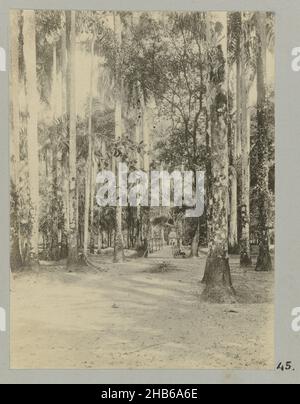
(186, 91)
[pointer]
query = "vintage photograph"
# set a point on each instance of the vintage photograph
(142, 167)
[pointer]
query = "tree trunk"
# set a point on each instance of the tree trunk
(145, 133)
(15, 253)
(217, 276)
(14, 98)
(138, 139)
(88, 177)
(208, 182)
(71, 100)
(29, 35)
(100, 234)
(195, 242)
(238, 132)
(264, 261)
(233, 184)
(54, 248)
(233, 235)
(65, 156)
(148, 232)
(99, 250)
(119, 244)
(245, 257)
(238, 105)
(64, 67)
(92, 199)
(162, 236)
(139, 224)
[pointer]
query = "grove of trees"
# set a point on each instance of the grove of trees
(188, 91)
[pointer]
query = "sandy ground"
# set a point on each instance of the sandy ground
(130, 316)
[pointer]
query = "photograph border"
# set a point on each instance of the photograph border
(287, 295)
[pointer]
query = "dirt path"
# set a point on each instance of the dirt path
(131, 316)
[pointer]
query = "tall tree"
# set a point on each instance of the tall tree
(169, 58)
(217, 274)
(233, 212)
(89, 165)
(119, 243)
(65, 155)
(16, 259)
(71, 99)
(91, 24)
(208, 143)
(264, 261)
(55, 253)
(196, 241)
(138, 139)
(235, 63)
(246, 82)
(29, 47)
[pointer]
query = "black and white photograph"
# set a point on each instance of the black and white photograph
(142, 189)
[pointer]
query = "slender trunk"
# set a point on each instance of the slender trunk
(239, 119)
(14, 99)
(29, 35)
(71, 99)
(145, 133)
(217, 274)
(66, 205)
(162, 236)
(233, 178)
(233, 214)
(15, 254)
(119, 243)
(99, 250)
(245, 258)
(65, 156)
(129, 224)
(238, 104)
(88, 177)
(264, 261)
(195, 242)
(99, 233)
(139, 224)
(93, 182)
(55, 253)
(245, 253)
(138, 139)
(148, 232)
(208, 145)
(208, 188)
(64, 67)
(54, 249)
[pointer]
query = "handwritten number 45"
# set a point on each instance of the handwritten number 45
(285, 366)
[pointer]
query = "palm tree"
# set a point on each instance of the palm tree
(234, 61)
(71, 99)
(55, 253)
(264, 261)
(64, 161)
(16, 259)
(248, 74)
(241, 54)
(119, 244)
(217, 274)
(29, 33)
(88, 178)
(138, 139)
